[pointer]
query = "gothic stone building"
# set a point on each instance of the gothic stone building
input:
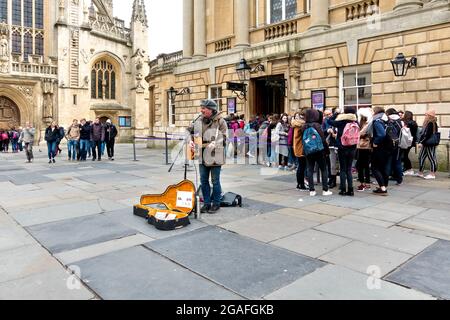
(71, 59)
(302, 48)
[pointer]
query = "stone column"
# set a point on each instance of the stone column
(199, 28)
(242, 11)
(188, 28)
(319, 15)
(407, 4)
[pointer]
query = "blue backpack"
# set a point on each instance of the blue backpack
(312, 141)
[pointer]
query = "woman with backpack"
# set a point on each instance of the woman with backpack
(52, 136)
(314, 148)
(282, 131)
(364, 151)
(382, 152)
(429, 140)
(347, 141)
(408, 119)
(5, 141)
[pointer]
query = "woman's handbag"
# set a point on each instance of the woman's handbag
(433, 141)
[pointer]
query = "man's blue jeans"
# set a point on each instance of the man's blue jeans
(72, 146)
(216, 197)
(51, 146)
(85, 146)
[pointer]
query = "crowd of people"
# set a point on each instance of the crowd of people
(369, 142)
(85, 140)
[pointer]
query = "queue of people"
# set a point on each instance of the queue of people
(368, 142)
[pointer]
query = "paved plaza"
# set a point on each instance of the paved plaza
(69, 221)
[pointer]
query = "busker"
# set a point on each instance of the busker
(212, 128)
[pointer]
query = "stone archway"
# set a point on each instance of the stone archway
(9, 113)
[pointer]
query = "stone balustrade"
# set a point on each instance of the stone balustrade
(362, 10)
(222, 45)
(35, 66)
(166, 61)
(280, 30)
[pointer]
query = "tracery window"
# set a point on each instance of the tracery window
(103, 81)
(27, 20)
(3, 11)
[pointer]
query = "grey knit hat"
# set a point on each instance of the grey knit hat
(210, 104)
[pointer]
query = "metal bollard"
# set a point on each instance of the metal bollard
(134, 149)
(167, 148)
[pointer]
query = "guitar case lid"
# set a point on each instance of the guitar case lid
(170, 210)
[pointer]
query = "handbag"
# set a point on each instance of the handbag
(434, 140)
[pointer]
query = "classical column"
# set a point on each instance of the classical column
(319, 15)
(242, 12)
(199, 28)
(188, 28)
(407, 4)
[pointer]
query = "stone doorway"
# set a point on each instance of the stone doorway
(269, 95)
(9, 114)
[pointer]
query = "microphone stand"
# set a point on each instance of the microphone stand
(186, 164)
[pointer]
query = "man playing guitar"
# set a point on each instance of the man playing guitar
(211, 128)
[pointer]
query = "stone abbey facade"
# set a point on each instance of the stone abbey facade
(71, 59)
(299, 49)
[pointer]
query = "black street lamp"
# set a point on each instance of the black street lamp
(401, 65)
(174, 93)
(243, 70)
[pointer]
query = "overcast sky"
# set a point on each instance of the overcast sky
(165, 18)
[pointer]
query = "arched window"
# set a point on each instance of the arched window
(3, 11)
(103, 81)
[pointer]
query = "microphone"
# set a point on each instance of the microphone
(198, 117)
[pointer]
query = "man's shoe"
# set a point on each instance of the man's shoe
(50, 162)
(361, 188)
(54, 161)
(327, 193)
(342, 193)
(312, 193)
(205, 208)
(214, 209)
(380, 192)
(350, 193)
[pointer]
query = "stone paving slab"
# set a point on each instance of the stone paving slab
(400, 208)
(48, 285)
(126, 218)
(79, 232)
(430, 204)
(384, 214)
(140, 274)
(13, 236)
(269, 227)
(428, 272)
(260, 206)
(311, 243)
(306, 215)
(24, 261)
(95, 250)
(435, 195)
(355, 203)
(366, 220)
(390, 239)
(245, 266)
(359, 256)
(228, 215)
(109, 178)
(338, 283)
(56, 213)
(327, 209)
(28, 178)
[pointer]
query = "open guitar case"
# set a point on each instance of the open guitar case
(170, 210)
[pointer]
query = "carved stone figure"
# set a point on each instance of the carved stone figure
(4, 54)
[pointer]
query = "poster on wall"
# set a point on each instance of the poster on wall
(231, 104)
(318, 99)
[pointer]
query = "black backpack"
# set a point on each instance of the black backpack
(231, 200)
(393, 133)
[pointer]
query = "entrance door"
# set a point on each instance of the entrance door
(269, 95)
(9, 114)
